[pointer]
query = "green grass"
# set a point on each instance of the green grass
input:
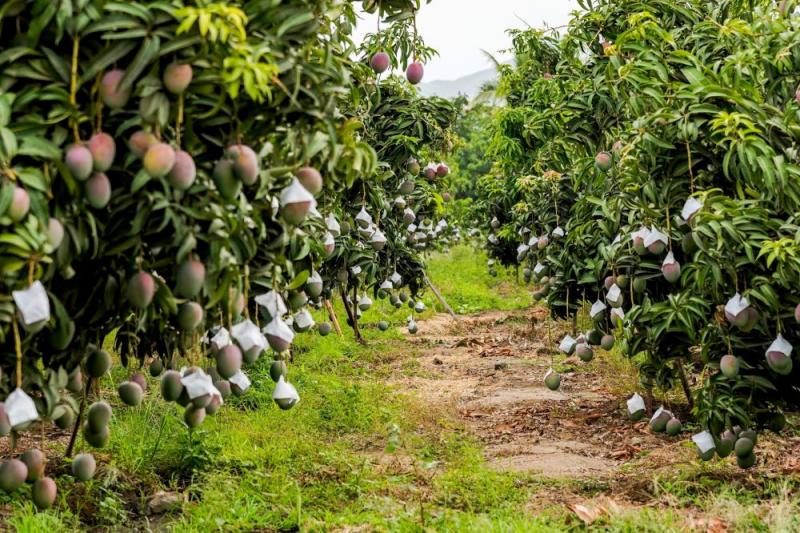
(462, 276)
(355, 452)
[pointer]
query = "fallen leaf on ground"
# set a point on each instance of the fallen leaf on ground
(586, 514)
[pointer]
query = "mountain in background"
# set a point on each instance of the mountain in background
(469, 85)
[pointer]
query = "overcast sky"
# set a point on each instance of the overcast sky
(459, 29)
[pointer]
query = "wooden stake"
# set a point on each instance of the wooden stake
(332, 316)
(440, 298)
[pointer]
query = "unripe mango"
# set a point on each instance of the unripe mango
(603, 161)
(55, 232)
(96, 439)
(183, 172)
(725, 444)
(278, 344)
(779, 363)
(659, 424)
(225, 180)
(673, 427)
(130, 393)
(20, 204)
(201, 401)
(141, 289)
(743, 447)
(103, 150)
(44, 493)
(159, 160)
(110, 92)
(139, 379)
(671, 271)
(171, 386)
(276, 370)
(12, 475)
(177, 77)
(213, 405)
(584, 352)
(297, 299)
(607, 342)
(190, 278)
(156, 367)
(552, 380)
(84, 466)
(236, 300)
(98, 190)
(229, 361)
(746, 461)
(245, 163)
(194, 416)
(224, 387)
(140, 142)
(311, 179)
(190, 315)
(78, 160)
(729, 366)
(98, 416)
(414, 73)
(66, 420)
(97, 364)
(251, 356)
(34, 460)
(380, 62)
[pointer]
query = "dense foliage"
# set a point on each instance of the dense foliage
(160, 166)
(647, 160)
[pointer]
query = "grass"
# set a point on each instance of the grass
(462, 276)
(356, 452)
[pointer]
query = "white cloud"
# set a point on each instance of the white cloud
(460, 29)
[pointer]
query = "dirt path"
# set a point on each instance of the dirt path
(489, 369)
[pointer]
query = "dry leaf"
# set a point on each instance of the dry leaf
(586, 514)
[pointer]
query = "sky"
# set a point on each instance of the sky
(459, 29)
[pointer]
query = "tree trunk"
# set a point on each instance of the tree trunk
(352, 316)
(74, 436)
(684, 382)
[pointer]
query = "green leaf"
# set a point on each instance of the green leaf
(8, 144)
(38, 147)
(299, 280)
(142, 178)
(105, 59)
(33, 177)
(147, 53)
